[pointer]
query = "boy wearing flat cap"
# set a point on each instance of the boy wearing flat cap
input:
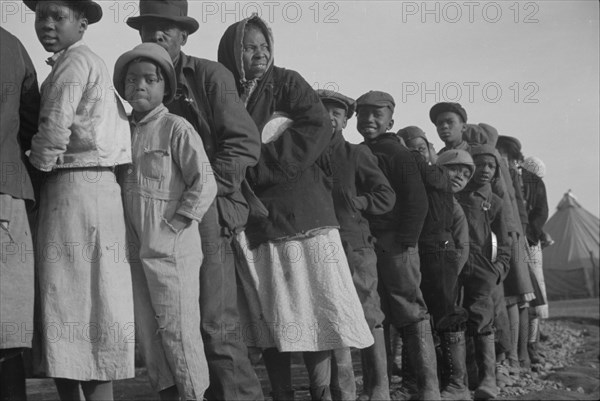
(359, 187)
(397, 233)
(206, 96)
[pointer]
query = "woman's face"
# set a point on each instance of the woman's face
(256, 53)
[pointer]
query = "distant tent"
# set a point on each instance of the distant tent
(571, 264)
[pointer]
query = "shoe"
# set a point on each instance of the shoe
(485, 355)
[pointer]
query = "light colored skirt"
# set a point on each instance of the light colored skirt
(85, 311)
(299, 295)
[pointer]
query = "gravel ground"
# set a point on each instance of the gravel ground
(571, 370)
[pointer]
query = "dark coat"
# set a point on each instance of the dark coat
(534, 192)
(287, 179)
(485, 214)
(401, 170)
(19, 113)
(359, 187)
(206, 97)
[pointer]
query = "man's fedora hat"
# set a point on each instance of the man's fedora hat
(170, 10)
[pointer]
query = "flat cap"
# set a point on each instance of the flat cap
(329, 96)
(509, 141)
(411, 132)
(443, 107)
(377, 99)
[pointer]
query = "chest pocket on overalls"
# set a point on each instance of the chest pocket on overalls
(154, 163)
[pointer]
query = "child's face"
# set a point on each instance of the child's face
(338, 117)
(420, 146)
(485, 169)
(144, 89)
(450, 128)
(58, 26)
(256, 53)
(372, 121)
(459, 176)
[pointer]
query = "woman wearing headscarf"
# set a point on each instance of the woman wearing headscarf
(292, 266)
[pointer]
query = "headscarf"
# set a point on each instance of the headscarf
(231, 56)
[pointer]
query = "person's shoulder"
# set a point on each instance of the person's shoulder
(177, 123)
(210, 68)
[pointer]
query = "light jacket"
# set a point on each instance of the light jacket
(82, 121)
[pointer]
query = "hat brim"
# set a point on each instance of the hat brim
(126, 58)
(189, 24)
(92, 10)
(349, 108)
(440, 108)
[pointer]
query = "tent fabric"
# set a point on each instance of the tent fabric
(571, 264)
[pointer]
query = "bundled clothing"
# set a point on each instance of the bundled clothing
(397, 233)
(443, 249)
(293, 268)
(19, 111)
(359, 188)
(484, 212)
(82, 135)
(206, 97)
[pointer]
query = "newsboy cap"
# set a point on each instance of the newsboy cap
(329, 96)
(443, 107)
(377, 99)
(170, 10)
(91, 9)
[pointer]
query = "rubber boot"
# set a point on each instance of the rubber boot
(366, 376)
(455, 366)
(279, 369)
(318, 365)
(485, 355)
(342, 385)
(472, 370)
(376, 360)
(523, 338)
(408, 390)
(421, 353)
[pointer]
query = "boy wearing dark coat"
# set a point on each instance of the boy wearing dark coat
(359, 187)
(397, 234)
(480, 276)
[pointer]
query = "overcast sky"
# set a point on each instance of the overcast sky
(530, 69)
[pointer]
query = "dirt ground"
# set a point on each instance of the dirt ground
(571, 372)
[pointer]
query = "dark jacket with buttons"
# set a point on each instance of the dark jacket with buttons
(359, 188)
(401, 170)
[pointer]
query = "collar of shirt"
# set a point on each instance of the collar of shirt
(152, 115)
(54, 58)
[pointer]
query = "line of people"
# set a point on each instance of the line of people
(249, 221)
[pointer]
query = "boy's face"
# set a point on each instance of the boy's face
(58, 26)
(372, 121)
(450, 128)
(338, 117)
(420, 146)
(166, 34)
(144, 89)
(485, 169)
(255, 54)
(459, 176)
